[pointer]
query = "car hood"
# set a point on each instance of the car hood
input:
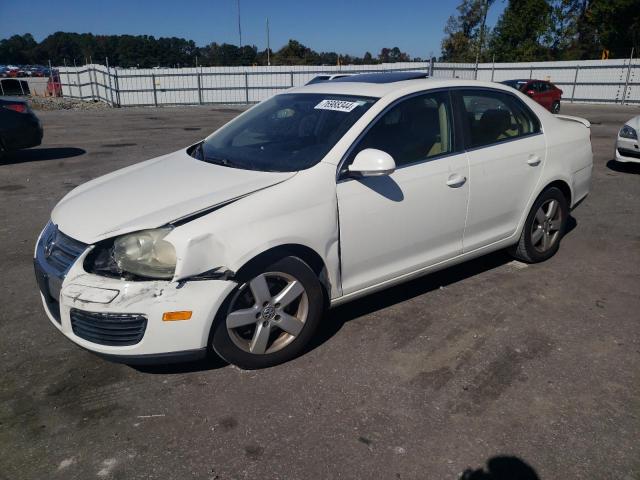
(634, 123)
(153, 193)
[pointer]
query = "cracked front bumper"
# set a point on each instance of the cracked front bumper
(109, 298)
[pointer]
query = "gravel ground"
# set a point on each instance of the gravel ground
(527, 372)
(57, 103)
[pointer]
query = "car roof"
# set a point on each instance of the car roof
(389, 77)
(356, 87)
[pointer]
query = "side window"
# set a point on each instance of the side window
(491, 117)
(415, 129)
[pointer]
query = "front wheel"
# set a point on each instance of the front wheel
(544, 228)
(269, 318)
(555, 108)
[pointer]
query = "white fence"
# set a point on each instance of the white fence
(594, 81)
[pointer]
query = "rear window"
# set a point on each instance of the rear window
(492, 117)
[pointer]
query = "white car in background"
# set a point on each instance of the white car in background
(627, 149)
(314, 197)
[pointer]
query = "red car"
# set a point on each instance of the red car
(543, 92)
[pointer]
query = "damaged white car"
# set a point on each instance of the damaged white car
(314, 197)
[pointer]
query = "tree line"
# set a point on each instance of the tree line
(527, 30)
(146, 51)
(539, 30)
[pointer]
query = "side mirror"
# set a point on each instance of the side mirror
(371, 162)
(530, 93)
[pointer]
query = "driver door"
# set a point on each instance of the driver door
(396, 224)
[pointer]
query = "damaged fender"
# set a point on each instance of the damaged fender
(300, 211)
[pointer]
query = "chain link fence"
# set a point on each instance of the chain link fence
(593, 81)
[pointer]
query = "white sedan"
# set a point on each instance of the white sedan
(627, 149)
(312, 198)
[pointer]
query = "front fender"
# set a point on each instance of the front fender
(302, 211)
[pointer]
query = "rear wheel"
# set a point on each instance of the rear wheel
(269, 318)
(544, 227)
(555, 108)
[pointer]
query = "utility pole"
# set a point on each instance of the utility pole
(485, 8)
(268, 47)
(626, 84)
(239, 27)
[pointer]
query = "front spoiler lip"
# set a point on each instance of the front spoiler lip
(154, 358)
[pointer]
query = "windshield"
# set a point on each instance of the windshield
(286, 133)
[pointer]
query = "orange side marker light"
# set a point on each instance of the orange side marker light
(173, 316)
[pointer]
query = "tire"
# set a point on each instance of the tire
(252, 329)
(544, 228)
(555, 108)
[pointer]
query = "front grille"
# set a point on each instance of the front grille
(60, 251)
(625, 152)
(55, 253)
(113, 329)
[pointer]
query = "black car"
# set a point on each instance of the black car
(19, 126)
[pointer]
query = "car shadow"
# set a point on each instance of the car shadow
(571, 225)
(621, 167)
(502, 468)
(40, 154)
(384, 186)
(211, 362)
(338, 316)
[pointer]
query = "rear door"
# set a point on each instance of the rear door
(506, 152)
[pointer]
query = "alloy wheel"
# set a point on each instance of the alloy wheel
(545, 230)
(267, 313)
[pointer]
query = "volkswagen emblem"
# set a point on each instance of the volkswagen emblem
(268, 312)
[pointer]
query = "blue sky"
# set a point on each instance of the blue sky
(345, 26)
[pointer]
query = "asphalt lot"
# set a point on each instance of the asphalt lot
(491, 358)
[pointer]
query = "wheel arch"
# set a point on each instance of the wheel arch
(561, 185)
(308, 255)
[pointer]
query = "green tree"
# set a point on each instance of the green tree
(17, 49)
(295, 53)
(466, 32)
(523, 32)
(613, 25)
(393, 55)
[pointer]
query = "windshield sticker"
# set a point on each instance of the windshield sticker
(337, 105)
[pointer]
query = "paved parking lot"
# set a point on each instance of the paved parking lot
(488, 359)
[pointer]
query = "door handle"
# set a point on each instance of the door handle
(456, 180)
(533, 160)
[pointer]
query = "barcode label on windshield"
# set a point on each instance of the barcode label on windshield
(337, 105)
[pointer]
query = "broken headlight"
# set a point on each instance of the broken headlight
(145, 253)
